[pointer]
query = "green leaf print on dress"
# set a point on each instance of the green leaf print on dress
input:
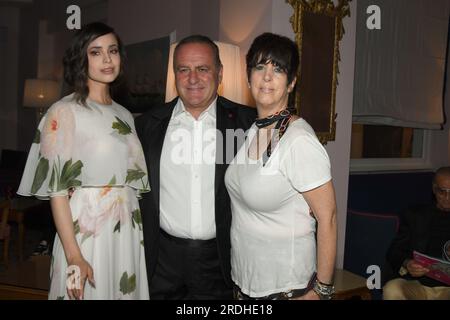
(136, 219)
(121, 126)
(86, 236)
(134, 174)
(65, 178)
(77, 230)
(37, 137)
(117, 227)
(76, 227)
(127, 284)
(40, 175)
(112, 182)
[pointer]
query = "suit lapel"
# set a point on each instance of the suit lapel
(156, 135)
(226, 119)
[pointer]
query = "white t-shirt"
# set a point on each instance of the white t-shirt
(273, 245)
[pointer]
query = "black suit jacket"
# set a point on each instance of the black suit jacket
(151, 128)
(414, 233)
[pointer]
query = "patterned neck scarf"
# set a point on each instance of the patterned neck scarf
(267, 121)
(282, 119)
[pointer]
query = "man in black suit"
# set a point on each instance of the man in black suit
(187, 215)
(425, 229)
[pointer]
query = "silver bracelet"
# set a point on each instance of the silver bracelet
(323, 290)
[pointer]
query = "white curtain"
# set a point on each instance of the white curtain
(231, 86)
(400, 69)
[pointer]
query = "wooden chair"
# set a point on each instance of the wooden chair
(5, 229)
(17, 207)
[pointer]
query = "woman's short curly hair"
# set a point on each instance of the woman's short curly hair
(75, 59)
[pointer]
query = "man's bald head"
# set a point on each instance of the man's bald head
(441, 188)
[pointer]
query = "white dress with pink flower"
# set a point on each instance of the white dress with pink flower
(94, 151)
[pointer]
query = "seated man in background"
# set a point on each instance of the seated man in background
(425, 229)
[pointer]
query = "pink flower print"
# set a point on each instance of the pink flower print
(57, 133)
(99, 206)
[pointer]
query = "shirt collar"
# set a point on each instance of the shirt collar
(181, 109)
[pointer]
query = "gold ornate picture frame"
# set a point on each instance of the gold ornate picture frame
(318, 28)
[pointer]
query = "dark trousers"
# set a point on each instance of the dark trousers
(188, 270)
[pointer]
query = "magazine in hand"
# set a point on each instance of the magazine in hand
(439, 269)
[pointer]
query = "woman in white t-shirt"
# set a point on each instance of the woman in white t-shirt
(281, 190)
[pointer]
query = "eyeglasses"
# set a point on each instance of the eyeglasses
(446, 251)
(442, 191)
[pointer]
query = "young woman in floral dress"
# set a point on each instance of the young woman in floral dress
(87, 159)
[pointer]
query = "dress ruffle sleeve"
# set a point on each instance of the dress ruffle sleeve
(50, 169)
(92, 146)
(137, 176)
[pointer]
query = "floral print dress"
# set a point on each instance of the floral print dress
(95, 152)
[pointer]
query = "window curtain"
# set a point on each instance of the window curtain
(400, 69)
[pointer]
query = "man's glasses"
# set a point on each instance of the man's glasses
(442, 191)
(446, 251)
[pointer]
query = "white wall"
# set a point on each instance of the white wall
(281, 13)
(141, 20)
(205, 18)
(240, 22)
(440, 145)
(339, 150)
(446, 133)
(46, 56)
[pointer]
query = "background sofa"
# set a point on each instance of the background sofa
(374, 203)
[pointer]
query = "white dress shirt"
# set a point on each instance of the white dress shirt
(187, 174)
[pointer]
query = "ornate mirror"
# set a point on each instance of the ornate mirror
(317, 25)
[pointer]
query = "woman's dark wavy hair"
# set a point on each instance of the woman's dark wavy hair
(273, 48)
(75, 59)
